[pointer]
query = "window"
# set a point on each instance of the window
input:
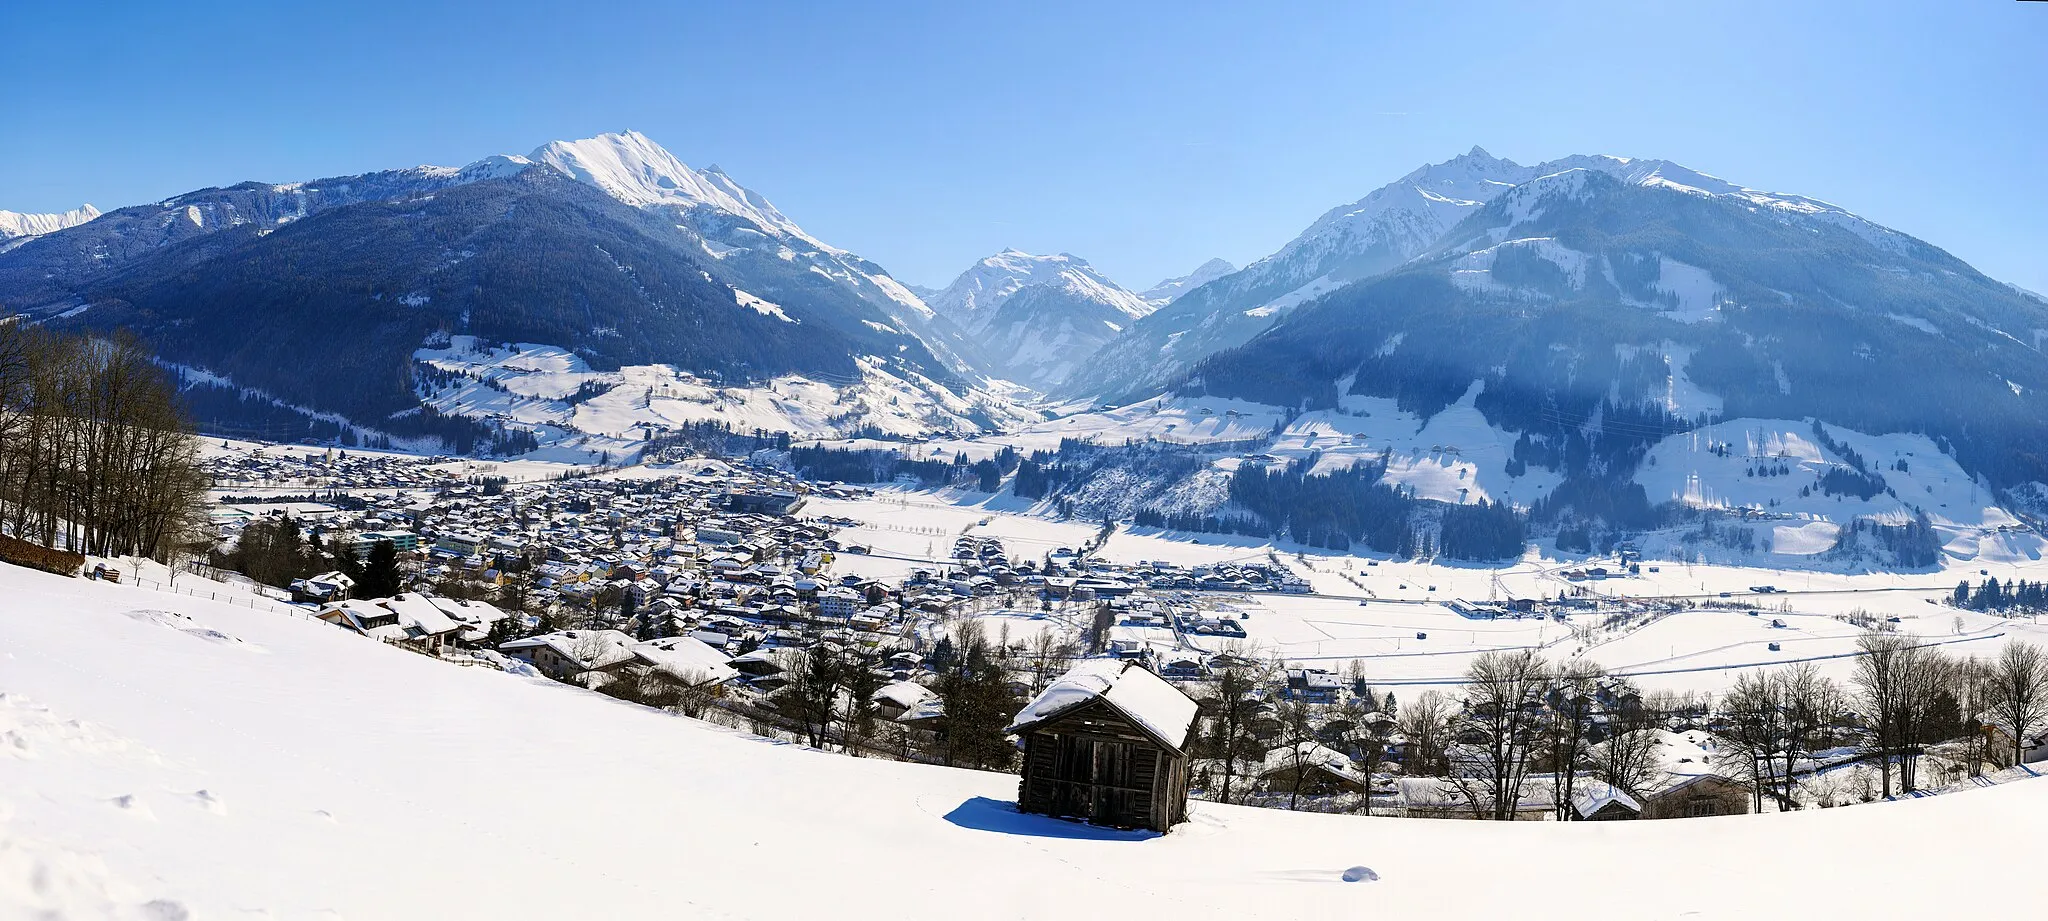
(1703, 806)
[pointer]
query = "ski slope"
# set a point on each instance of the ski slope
(168, 757)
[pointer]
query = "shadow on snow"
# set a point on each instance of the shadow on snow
(983, 814)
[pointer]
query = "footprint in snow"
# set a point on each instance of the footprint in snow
(165, 910)
(133, 805)
(324, 814)
(210, 802)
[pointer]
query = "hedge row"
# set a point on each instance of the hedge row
(36, 556)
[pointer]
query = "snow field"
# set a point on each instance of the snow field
(166, 775)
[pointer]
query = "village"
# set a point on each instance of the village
(735, 592)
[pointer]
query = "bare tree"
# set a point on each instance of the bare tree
(1571, 701)
(1232, 709)
(1298, 737)
(1628, 759)
(1975, 685)
(1812, 703)
(2019, 694)
(1750, 730)
(1499, 729)
(1048, 656)
(1425, 727)
(1896, 679)
(1368, 744)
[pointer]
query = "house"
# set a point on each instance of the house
(460, 543)
(763, 668)
(897, 698)
(409, 619)
(1443, 798)
(365, 617)
(687, 658)
(839, 603)
(1104, 743)
(1311, 769)
(323, 588)
(1696, 795)
(1313, 685)
(574, 655)
(1599, 802)
(476, 618)
(778, 502)
(359, 545)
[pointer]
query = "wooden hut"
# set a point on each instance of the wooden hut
(1104, 743)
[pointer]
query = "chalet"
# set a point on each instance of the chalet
(474, 617)
(323, 588)
(1599, 802)
(1311, 769)
(1103, 743)
(1313, 685)
(1696, 795)
(569, 655)
(898, 698)
(409, 619)
(687, 658)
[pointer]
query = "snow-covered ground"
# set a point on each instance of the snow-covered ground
(1918, 478)
(169, 757)
(535, 386)
(1371, 609)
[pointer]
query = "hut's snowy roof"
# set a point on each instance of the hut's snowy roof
(1133, 690)
(1595, 796)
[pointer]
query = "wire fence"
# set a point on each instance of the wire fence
(238, 599)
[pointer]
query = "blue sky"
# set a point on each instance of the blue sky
(1145, 137)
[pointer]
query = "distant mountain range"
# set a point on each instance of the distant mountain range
(1594, 302)
(1607, 303)
(16, 228)
(609, 247)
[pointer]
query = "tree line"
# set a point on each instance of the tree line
(1524, 727)
(96, 453)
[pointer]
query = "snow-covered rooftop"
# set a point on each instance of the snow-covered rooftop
(1133, 690)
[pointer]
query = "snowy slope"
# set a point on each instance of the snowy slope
(534, 385)
(209, 761)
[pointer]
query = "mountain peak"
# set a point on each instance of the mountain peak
(632, 168)
(15, 224)
(1478, 153)
(992, 280)
(1171, 289)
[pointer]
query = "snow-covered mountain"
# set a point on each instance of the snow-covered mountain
(608, 248)
(744, 237)
(1036, 318)
(1386, 228)
(1166, 292)
(1607, 304)
(985, 285)
(16, 227)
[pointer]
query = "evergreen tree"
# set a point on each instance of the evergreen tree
(380, 574)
